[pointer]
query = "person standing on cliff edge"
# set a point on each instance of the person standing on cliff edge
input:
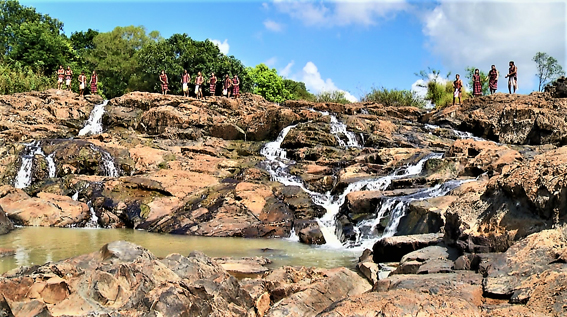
(60, 76)
(512, 77)
(493, 79)
(213, 84)
(477, 85)
(185, 79)
(226, 86)
(164, 82)
(68, 76)
(82, 84)
(236, 87)
(198, 89)
(94, 83)
(458, 86)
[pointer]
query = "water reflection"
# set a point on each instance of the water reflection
(36, 245)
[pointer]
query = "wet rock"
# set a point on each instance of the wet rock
(392, 249)
(4, 252)
(425, 216)
(309, 232)
(46, 210)
(5, 223)
(402, 303)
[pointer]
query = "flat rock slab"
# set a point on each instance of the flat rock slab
(392, 249)
(244, 267)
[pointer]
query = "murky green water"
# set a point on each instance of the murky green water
(40, 245)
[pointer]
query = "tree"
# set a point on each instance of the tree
(268, 84)
(298, 90)
(115, 56)
(548, 69)
(180, 52)
(483, 79)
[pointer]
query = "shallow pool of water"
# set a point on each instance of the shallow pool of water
(35, 245)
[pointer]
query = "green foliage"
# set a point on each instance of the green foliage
(115, 57)
(469, 72)
(393, 97)
(441, 94)
(180, 52)
(268, 84)
(331, 96)
(298, 90)
(548, 69)
(16, 78)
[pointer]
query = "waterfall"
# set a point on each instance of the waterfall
(395, 208)
(277, 164)
(24, 175)
(108, 164)
(93, 221)
(338, 128)
(94, 123)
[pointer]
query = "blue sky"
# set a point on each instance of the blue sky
(347, 45)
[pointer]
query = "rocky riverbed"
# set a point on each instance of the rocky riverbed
(461, 210)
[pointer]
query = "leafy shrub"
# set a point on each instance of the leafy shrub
(331, 96)
(16, 78)
(394, 97)
(441, 94)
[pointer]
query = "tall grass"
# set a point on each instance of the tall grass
(394, 97)
(16, 78)
(441, 94)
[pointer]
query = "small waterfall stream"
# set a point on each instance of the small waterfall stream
(24, 176)
(94, 123)
(277, 164)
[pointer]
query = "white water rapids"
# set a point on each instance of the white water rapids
(94, 123)
(24, 175)
(277, 164)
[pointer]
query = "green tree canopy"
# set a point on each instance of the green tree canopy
(268, 84)
(180, 52)
(548, 69)
(298, 90)
(115, 56)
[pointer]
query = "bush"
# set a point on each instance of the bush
(331, 96)
(394, 97)
(16, 78)
(441, 94)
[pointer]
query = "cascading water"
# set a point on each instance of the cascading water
(338, 128)
(277, 164)
(107, 162)
(93, 221)
(24, 175)
(395, 208)
(458, 134)
(94, 123)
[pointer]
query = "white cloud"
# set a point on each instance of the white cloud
(313, 81)
(286, 71)
(273, 26)
(480, 34)
(223, 46)
(344, 12)
(265, 5)
(271, 62)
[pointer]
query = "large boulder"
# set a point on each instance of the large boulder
(514, 119)
(402, 303)
(6, 224)
(392, 249)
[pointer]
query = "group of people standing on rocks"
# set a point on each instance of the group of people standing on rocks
(66, 75)
(228, 85)
(493, 75)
